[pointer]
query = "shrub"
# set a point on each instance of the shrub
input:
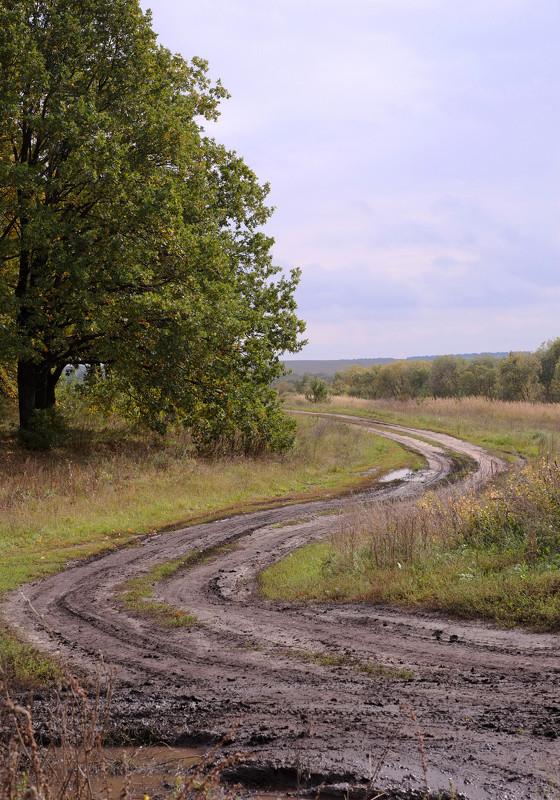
(316, 390)
(47, 429)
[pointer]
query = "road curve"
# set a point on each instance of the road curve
(486, 700)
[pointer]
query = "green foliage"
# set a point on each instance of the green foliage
(300, 384)
(478, 377)
(250, 429)
(129, 240)
(317, 391)
(444, 377)
(46, 430)
(521, 517)
(517, 377)
(313, 387)
(549, 377)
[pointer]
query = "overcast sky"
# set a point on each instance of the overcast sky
(413, 153)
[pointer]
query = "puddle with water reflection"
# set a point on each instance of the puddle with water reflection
(404, 474)
(154, 772)
(147, 771)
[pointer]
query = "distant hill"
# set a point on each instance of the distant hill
(455, 355)
(328, 367)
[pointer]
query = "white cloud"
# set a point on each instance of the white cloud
(411, 147)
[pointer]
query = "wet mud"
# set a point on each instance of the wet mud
(453, 702)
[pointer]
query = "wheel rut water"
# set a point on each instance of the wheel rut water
(486, 700)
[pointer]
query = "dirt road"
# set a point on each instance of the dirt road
(487, 701)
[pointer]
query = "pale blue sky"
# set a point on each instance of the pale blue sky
(413, 152)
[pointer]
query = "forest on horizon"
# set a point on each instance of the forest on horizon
(520, 375)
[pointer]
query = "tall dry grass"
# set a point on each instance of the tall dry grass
(66, 766)
(494, 555)
(514, 428)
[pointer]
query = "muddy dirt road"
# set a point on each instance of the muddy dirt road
(487, 701)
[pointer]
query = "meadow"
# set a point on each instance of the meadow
(494, 555)
(512, 429)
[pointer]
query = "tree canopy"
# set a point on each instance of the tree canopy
(130, 241)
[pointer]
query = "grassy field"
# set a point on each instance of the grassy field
(494, 556)
(516, 429)
(109, 486)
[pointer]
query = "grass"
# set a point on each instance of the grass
(512, 429)
(494, 556)
(21, 665)
(368, 667)
(112, 485)
(137, 593)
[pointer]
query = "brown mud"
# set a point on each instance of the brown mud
(487, 701)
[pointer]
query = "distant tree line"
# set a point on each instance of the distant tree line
(516, 376)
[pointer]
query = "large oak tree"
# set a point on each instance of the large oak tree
(128, 238)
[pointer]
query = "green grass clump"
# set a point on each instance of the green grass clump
(24, 667)
(137, 594)
(368, 667)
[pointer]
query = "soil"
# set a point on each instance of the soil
(482, 710)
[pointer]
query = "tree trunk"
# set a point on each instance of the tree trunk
(26, 391)
(36, 388)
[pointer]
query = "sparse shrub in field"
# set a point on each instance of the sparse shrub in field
(521, 516)
(317, 390)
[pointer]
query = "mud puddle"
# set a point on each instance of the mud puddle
(158, 772)
(404, 474)
(153, 771)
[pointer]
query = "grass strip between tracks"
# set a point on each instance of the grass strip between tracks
(369, 667)
(137, 594)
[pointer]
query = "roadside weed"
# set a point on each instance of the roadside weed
(495, 555)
